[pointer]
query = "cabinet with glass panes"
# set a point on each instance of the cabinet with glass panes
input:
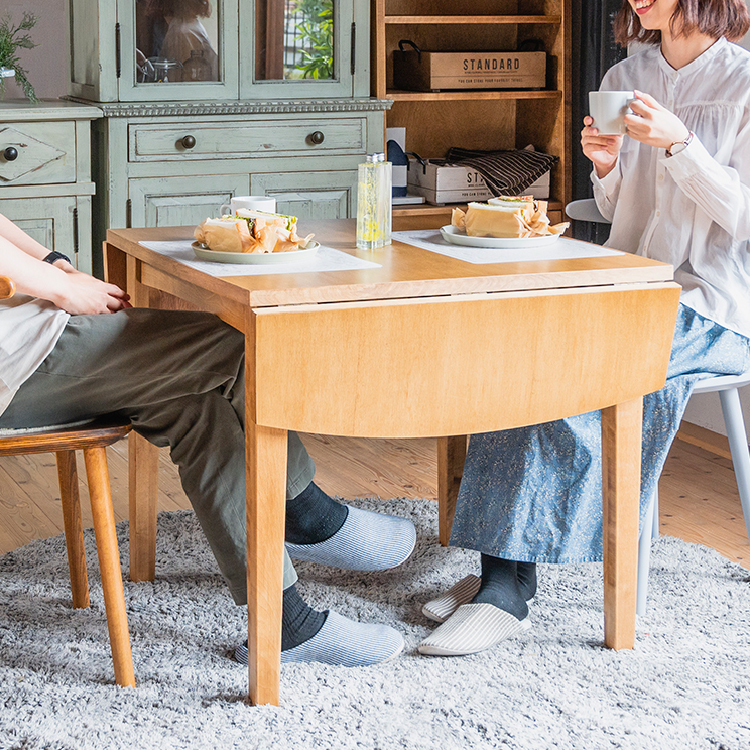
(206, 99)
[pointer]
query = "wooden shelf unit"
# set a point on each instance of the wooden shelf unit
(481, 119)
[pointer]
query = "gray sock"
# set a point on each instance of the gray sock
(313, 516)
(500, 587)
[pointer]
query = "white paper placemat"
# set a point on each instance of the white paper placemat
(565, 247)
(326, 259)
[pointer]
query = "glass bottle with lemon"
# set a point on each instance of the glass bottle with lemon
(374, 203)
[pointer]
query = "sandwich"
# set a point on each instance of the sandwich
(251, 232)
(507, 217)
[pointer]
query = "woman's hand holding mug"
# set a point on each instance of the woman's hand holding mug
(653, 124)
(603, 150)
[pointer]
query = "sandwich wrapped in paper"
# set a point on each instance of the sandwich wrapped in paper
(506, 216)
(251, 232)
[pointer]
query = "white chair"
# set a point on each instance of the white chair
(727, 387)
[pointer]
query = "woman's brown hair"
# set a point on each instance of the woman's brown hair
(716, 18)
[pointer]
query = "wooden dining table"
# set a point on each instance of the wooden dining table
(420, 345)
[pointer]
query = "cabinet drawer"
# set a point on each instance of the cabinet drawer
(34, 153)
(248, 139)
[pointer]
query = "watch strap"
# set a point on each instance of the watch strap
(53, 256)
(684, 144)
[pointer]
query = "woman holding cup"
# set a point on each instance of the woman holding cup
(676, 187)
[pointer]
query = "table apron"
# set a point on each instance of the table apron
(457, 365)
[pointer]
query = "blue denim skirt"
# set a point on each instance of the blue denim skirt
(535, 493)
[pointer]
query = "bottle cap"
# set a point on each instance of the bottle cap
(375, 158)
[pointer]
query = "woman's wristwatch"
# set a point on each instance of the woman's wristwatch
(53, 256)
(678, 146)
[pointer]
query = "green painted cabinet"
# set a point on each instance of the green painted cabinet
(45, 174)
(198, 50)
(206, 99)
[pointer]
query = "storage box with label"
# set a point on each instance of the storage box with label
(440, 182)
(416, 70)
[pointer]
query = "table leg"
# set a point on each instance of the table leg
(621, 466)
(266, 500)
(143, 480)
(451, 454)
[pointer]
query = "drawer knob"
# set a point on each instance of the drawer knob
(188, 141)
(10, 153)
(317, 137)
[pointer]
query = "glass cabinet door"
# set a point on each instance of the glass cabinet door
(177, 50)
(298, 48)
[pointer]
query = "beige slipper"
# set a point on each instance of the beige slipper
(473, 628)
(463, 592)
(443, 607)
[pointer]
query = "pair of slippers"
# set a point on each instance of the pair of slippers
(368, 542)
(371, 541)
(467, 628)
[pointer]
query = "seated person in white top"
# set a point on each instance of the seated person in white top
(677, 189)
(72, 348)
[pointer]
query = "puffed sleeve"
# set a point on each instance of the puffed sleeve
(722, 191)
(607, 190)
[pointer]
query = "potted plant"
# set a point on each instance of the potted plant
(12, 39)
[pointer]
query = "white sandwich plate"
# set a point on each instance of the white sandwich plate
(457, 236)
(293, 256)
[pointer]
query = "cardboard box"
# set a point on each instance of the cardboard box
(440, 183)
(437, 71)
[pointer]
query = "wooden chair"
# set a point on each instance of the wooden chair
(728, 388)
(92, 438)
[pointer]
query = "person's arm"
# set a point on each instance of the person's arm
(28, 244)
(604, 153)
(721, 191)
(75, 292)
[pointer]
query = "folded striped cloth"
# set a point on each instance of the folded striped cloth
(505, 172)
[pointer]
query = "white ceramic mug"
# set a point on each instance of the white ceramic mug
(608, 110)
(251, 202)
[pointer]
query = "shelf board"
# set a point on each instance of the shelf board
(468, 95)
(438, 20)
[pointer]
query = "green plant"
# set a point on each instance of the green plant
(13, 38)
(316, 32)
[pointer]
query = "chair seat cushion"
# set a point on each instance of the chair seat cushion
(14, 431)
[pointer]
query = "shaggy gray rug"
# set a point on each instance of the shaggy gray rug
(686, 685)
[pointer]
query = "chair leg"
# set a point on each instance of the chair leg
(655, 522)
(644, 558)
(143, 487)
(735, 424)
(67, 476)
(109, 563)
(451, 455)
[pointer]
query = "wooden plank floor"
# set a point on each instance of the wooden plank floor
(698, 493)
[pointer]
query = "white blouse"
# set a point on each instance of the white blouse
(29, 329)
(691, 209)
